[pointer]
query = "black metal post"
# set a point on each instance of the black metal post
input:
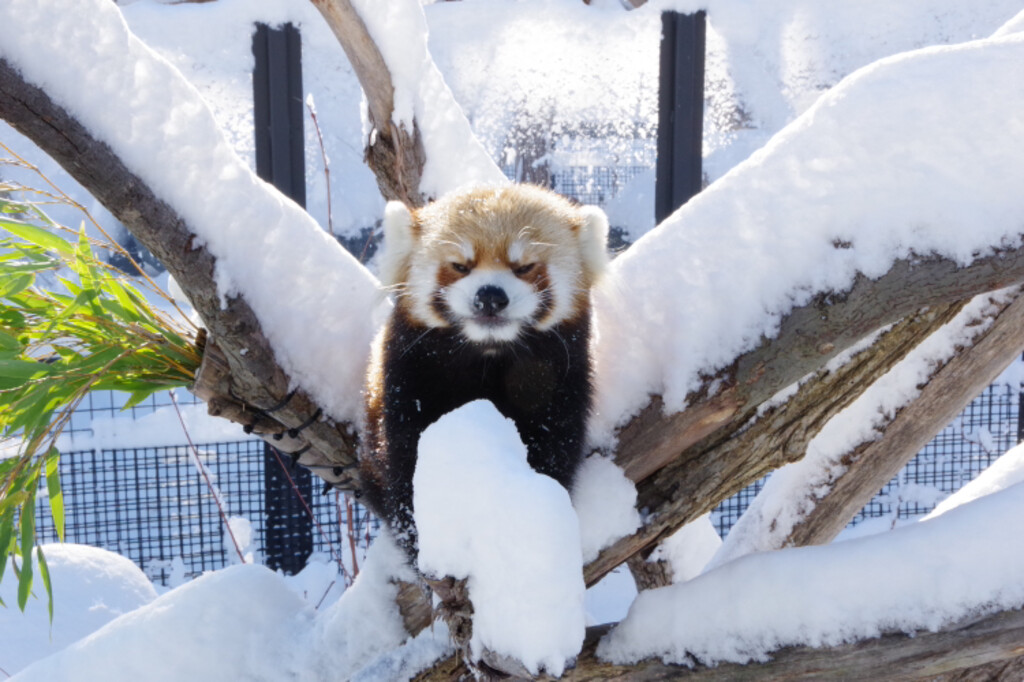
(280, 159)
(681, 111)
(278, 113)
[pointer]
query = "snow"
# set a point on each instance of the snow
(160, 427)
(605, 501)
(1005, 472)
(242, 622)
(689, 549)
(484, 514)
(399, 29)
(91, 587)
(903, 581)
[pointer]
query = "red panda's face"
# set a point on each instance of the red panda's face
(494, 263)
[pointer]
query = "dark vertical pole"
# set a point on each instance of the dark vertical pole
(278, 116)
(680, 111)
(278, 113)
(1020, 413)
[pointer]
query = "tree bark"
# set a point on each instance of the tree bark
(871, 465)
(684, 464)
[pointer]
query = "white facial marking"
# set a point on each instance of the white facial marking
(420, 290)
(562, 284)
(516, 251)
(504, 325)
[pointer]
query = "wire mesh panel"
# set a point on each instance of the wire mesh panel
(153, 506)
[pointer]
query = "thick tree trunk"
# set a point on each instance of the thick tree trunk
(992, 645)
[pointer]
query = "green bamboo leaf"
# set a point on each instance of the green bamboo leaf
(8, 342)
(139, 395)
(10, 502)
(56, 495)
(28, 533)
(6, 539)
(44, 573)
(17, 368)
(38, 236)
(11, 285)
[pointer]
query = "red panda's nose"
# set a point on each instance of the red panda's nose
(490, 300)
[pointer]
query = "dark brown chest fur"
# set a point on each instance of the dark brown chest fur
(542, 382)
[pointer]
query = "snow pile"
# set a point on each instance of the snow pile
(221, 620)
(165, 133)
(91, 587)
(689, 549)
(243, 622)
(483, 513)
(605, 501)
(1006, 471)
(913, 155)
(906, 580)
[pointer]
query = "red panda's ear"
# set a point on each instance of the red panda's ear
(594, 241)
(399, 241)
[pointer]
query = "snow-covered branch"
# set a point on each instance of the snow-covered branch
(418, 142)
(256, 267)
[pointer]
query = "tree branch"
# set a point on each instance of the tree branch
(683, 463)
(871, 465)
(993, 643)
(252, 376)
(393, 153)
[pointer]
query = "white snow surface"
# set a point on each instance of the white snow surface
(1006, 471)
(903, 581)
(482, 512)
(914, 155)
(689, 549)
(91, 587)
(294, 276)
(605, 501)
(242, 622)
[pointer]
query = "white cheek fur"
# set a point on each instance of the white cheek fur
(420, 291)
(562, 286)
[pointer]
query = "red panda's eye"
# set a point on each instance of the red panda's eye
(524, 269)
(460, 268)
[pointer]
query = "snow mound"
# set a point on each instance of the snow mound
(605, 501)
(230, 624)
(91, 587)
(906, 580)
(483, 513)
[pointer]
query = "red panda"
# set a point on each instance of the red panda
(492, 301)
